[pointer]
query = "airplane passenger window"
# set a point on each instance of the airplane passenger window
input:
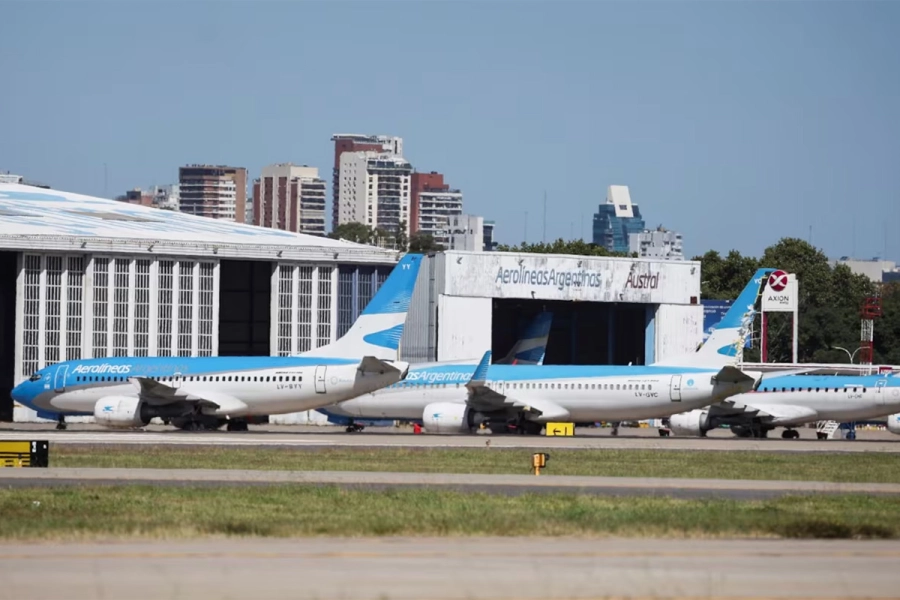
(864, 390)
(617, 386)
(649, 387)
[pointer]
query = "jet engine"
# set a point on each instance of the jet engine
(893, 424)
(447, 417)
(694, 423)
(124, 412)
(128, 412)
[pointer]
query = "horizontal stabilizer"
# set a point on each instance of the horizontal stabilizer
(729, 374)
(370, 364)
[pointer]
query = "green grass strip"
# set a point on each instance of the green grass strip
(855, 467)
(77, 513)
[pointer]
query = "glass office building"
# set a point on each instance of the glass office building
(615, 220)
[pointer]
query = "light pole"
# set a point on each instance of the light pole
(848, 352)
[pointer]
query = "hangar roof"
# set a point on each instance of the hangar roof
(33, 218)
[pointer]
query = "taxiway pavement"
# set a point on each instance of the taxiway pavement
(502, 484)
(313, 436)
(449, 569)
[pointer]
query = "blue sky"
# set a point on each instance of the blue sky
(736, 123)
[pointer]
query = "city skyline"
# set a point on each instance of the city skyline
(734, 124)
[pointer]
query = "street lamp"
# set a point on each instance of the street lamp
(848, 352)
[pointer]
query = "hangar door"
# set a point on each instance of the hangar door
(582, 333)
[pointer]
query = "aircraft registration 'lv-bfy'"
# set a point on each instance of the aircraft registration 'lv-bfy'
(207, 392)
(459, 398)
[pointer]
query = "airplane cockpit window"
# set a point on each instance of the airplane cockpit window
(35, 377)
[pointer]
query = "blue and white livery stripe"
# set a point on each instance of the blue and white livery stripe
(396, 293)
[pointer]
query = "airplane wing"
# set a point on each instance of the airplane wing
(484, 398)
(773, 414)
(158, 393)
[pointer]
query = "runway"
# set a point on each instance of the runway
(502, 484)
(450, 569)
(314, 436)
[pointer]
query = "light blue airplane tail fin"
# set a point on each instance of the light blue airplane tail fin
(532, 346)
(725, 344)
(378, 329)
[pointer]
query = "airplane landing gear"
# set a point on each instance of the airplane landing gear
(354, 427)
(61, 423)
(790, 434)
(237, 425)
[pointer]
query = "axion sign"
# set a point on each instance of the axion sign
(780, 294)
(778, 280)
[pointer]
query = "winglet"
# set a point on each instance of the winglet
(481, 371)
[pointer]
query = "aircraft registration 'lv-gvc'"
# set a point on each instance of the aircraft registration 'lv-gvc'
(460, 398)
(207, 392)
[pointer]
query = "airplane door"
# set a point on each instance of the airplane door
(320, 379)
(59, 380)
(880, 391)
(675, 390)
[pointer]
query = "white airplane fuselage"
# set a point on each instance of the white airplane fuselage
(583, 393)
(240, 386)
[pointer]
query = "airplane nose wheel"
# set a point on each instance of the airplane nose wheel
(61, 424)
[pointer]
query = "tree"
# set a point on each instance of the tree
(401, 240)
(887, 328)
(353, 232)
(724, 279)
(423, 243)
(560, 246)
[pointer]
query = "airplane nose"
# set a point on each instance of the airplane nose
(18, 393)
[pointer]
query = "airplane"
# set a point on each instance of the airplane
(395, 402)
(196, 393)
(522, 398)
(792, 400)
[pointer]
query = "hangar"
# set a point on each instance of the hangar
(605, 310)
(87, 277)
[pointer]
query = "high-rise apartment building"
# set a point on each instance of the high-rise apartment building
(432, 204)
(214, 191)
(489, 243)
(158, 196)
(374, 190)
(353, 142)
(615, 220)
(659, 243)
(466, 232)
(290, 197)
